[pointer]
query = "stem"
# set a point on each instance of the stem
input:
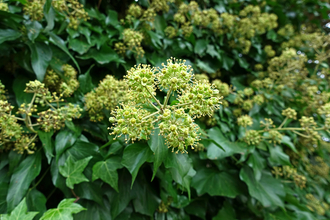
(20, 119)
(50, 105)
(167, 97)
(298, 133)
(51, 193)
(153, 105)
(41, 178)
(77, 197)
(31, 103)
(286, 118)
(152, 95)
(155, 113)
(180, 105)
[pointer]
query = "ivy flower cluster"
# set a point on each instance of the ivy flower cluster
(65, 85)
(3, 6)
(175, 122)
(73, 10)
(107, 95)
(290, 173)
(12, 134)
(131, 41)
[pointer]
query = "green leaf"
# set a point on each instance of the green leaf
(277, 156)
(36, 201)
(231, 148)
(57, 41)
(21, 96)
(73, 171)
(157, 145)
(33, 29)
(227, 62)
(112, 18)
(47, 5)
(217, 183)
(155, 39)
(20, 181)
(64, 211)
(226, 212)
(47, 144)
(102, 56)
(181, 169)
(212, 52)
(50, 17)
(90, 191)
(200, 46)
(267, 190)
(20, 212)
(64, 139)
(287, 141)
(8, 35)
(107, 171)
(203, 65)
(257, 163)
(41, 56)
(3, 193)
(79, 46)
(134, 156)
(85, 81)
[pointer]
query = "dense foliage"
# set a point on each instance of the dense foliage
(164, 109)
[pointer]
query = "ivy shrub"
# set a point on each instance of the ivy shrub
(164, 109)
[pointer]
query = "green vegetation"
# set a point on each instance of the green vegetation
(164, 109)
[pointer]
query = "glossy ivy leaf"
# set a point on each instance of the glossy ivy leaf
(3, 193)
(64, 211)
(85, 81)
(134, 156)
(33, 29)
(267, 190)
(181, 169)
(200, 46)
(64, 139)
(103, 56)
(8, 35)
(230, 148)
(21, 179)
(107, 171)
(277, 156)
(47, 143)
(72, 170)
(159, 148)
(226, 212)
(57, 41)
(257, 163)
(20, 212)
(227, 184)
(41, 55)
(36, 201)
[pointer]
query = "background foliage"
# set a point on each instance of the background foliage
(255, 161)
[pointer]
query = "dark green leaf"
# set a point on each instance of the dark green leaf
(21, 96)
(79, 46)
(267, 190)
(231, 148)
(85, 81)
(277, 156)
(257, 163)
(41, 56)
(102, 56)
(226, 212)
(200, 46)
(3, 193)
(157, 145)
(20, 181)
(107, 171)
(36, 201)
(47, 144)
(8, 35)
(20, 212)
(227, 62)
(90, 191)
(33, 29)
(181, 169)
(72, 170)
(286, 140)
(64, 139)
(57, 41)
(217, 183)
(64, 210)
(50, 17)
(134, 156)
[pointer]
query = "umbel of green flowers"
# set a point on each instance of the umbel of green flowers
(136, 121)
